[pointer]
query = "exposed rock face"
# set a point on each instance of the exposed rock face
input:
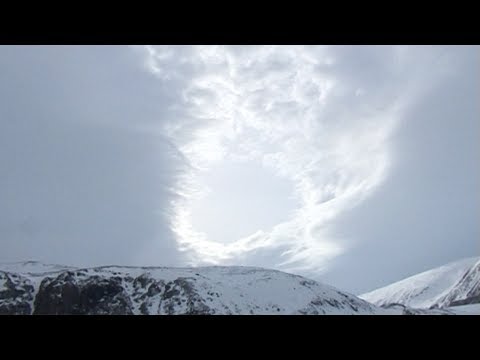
(405, 310)
(67, 294)
(71, 293)
(191, 291)
(469, 300)
(16, 294)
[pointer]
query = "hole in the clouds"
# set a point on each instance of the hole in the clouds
(243, 198)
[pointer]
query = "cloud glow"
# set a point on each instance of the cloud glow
(300, 111)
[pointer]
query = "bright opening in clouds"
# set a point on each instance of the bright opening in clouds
(297, 112)
(327, 161)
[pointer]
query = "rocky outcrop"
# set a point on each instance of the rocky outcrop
(69, 294)
(16, 294)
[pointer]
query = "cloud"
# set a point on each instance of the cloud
(349, 164)
(320, 117)
(425, 213)
(85, 181)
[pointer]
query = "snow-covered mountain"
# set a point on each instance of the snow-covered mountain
(448, 286)
(36, 288)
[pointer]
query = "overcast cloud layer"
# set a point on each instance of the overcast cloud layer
(355, 165)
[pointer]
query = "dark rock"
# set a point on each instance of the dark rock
(179, 290)
(16, 295)
(467, 301)
(93, 296)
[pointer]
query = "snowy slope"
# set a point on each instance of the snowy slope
(37, 288)
(32, 267)
(456, 283)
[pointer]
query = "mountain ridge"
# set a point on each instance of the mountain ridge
(33, 287)
(37, 288)
(455, 283)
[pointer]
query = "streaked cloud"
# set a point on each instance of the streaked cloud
(320, 117)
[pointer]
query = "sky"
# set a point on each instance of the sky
(352, 165)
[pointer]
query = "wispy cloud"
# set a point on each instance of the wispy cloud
(318, 116)
(299, 110)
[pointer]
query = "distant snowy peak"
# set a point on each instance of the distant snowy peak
(456, 283)
(35, 288)
(33, 267)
